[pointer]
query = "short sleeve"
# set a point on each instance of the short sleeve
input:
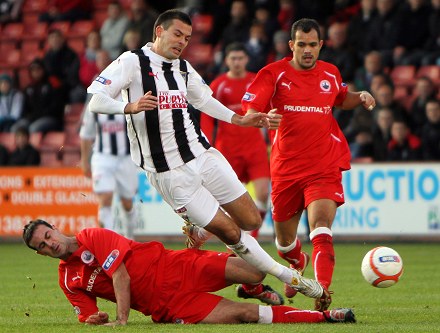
(259, 93)
(110, 249)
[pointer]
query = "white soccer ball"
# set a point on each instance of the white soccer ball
(382, 267)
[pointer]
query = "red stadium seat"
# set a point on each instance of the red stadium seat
(432, 71)
(35, 139)
(35, 6)
(403, 75)
(7, 46)
(63, 26)
(27, 57)
(202, 24)
(23, 78)
(400, 92)
(35, 31)
(7, 139)
(81, 28)
(30, 46)
(11, 60)
(199, 54)
(77, 44)
(12, 32)
(99, 16)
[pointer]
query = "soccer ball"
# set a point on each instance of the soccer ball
(382, 267)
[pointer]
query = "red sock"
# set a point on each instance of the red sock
(253, 289)
(293, 256)
(323, 258)
(287, 314)
(254, 233)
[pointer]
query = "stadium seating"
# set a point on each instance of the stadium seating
(12, 32)
(35, 31)
(7, 139)
(11, 60)
(81, 28)
(51, 149)
(403, 75)
(35, 6)
(432, 71)
(63, 26)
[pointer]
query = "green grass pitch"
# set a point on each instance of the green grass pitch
(31, 301)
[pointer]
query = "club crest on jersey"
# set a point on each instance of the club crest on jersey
(325, 85)
(87, 257)
(248, 97)
(184, 75)
(103, 80)
(110, 259)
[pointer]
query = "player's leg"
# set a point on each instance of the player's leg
(127, 184)
(105, 216)
(322, 197)
(261, 188)
(229, 312)
(321, 214)
(104, 184)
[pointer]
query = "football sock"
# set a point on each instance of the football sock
(105, 217)
(131, 216)
(323, 256)
(253, 289)
(249, 249)
(287, 314)
(290, 253)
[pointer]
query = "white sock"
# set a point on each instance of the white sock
(285, 249)
(249, 249)
(106, 218)
(265, 314)
(131, 216)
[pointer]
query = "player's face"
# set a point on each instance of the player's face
(236, 62)
(171, 42)
(49, 242)
(305, 48)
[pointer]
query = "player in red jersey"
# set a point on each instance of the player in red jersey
(171, 286)
(243, 147)
(309, 151)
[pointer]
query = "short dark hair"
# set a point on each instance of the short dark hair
(306, 25)
(165, 19)
(28, 231)
(235, 46)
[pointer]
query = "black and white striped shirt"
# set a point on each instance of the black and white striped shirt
(109, 131)
(167, 137)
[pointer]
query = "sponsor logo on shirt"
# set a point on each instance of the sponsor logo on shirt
(248, 97)
(302, 108)
(92, 278)
(113, 127)
(110, 259)
(325, 85)
(173, 99)
(152, 74)
(87, 257)
(103, 80)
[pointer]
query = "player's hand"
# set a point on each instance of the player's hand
(256, 119)
(98, 318)
(86, 168)
(116, 323)
(274, 119)
(147, 102)
(367, 100)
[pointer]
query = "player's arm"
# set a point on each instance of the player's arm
(121, 286)
(87, 134)
(354, 99)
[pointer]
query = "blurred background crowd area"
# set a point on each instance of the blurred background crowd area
(51, 50)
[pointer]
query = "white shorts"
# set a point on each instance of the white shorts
(196, 189)
(114, 174)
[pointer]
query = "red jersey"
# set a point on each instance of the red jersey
(87, 273)
(229, 139)
(309, 139)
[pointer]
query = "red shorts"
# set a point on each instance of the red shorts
(250, 164)
(189, 277)
(291, 196)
